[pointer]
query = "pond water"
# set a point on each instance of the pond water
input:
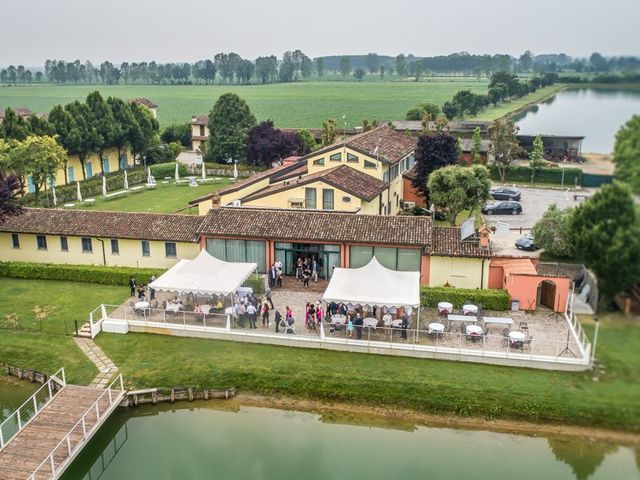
(13, 393)
(200, 440)
(595, 113)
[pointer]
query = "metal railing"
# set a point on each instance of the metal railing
(54, 464)
(26, 412)
(167, 317)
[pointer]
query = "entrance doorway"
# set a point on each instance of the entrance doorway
(547, 294)
(326, 255)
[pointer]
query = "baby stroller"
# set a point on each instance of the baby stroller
(285, 324)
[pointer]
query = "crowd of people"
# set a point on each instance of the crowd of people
(306, 269)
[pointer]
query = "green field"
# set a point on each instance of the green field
(302, 104)
(433, 386)
(164, 198)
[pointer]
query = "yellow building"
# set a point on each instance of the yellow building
(456, 262)
(79, 237)
(199, 131)
(363, 174)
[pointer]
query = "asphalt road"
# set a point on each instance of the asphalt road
(535, 202)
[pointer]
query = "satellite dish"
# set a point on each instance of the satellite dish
(468, 228)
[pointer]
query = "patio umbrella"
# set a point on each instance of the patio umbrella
(104, 186)
(78, 194)
(177, 173)
(126, 181)
(204, 170)
(235, 171)
(149, 175)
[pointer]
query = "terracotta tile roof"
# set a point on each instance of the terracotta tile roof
(283, 224)
(465, 145)
(200, 120)
(392, 145)
(144, 101)
(20, 112)
(344, 177)
(88, 223)
(447, 243)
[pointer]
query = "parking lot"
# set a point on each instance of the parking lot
(535, 202)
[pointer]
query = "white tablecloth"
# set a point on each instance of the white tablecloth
(517, 336)
(445, 306)
(473, 309)
(244, 291)
(436, 327)
(370, 322)
(205, 308)
(173, 307)
(141, 305)
(339, 319)
(474, 329)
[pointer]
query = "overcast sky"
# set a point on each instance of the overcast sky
(179, 30)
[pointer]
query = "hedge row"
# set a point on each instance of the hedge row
(228, 166)
(489, 299)
(162, 170)
(76, 273)
(522, 174)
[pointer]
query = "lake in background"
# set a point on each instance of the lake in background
(595, 113)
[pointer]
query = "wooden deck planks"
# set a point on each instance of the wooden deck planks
(32, 445)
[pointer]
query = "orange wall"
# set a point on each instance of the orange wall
(424, 270)
(409, 194)
(496, 277)
(525, 289)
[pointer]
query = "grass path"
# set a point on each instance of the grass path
(531, 99)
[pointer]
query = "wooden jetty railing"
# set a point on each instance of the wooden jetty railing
(62, 454)
(22, 416)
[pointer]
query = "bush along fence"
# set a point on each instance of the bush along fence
(489, 299)
(77, 273)
(522, 174)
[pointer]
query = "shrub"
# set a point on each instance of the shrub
(162, 170)
(228, 166)
(490, 299)
(522, 174)
(76, 273)
(256, 283)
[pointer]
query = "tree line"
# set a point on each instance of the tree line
(295, 65)
(78, 128)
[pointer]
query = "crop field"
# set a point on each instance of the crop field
(302, 104)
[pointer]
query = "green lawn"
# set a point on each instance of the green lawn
(425, 385)
(165, 198)
(302, 104)
(492, 113)
(46, 346)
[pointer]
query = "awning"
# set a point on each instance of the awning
(374, 285)
(204, 275)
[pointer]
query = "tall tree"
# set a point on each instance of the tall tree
(359, 74)
(63, 125)
(14, 126)
(401, 65)
(307, 139)
(123, 124)
(345, 67)
(306, 67)
(432, 152)
(320, 67)
(418, 112)
(536, 157)
(454, 189)
(229, 123)
(525, 62)
(83, 138)
(143, 133)
(40, 125)
(626, 154)
(553, 231)
(605, 233)
(329, 132)
(266, 144)
(41, 157)
(476, 146)
(504, 144)
(101, 120)
(373, 62)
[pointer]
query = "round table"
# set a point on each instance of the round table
(517, 336)
(474, 329)
(436, 327)
(445, 307)
(370, 322)
(141, 305)
(469, 309)
(339, 319)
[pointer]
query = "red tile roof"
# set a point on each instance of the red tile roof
(20, 112)
(312, 225)
(447, 243)
(144, 101)
(200, 120)
(343, 177)
(90, 223)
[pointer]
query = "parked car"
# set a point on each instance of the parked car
(505, 193)
(526, 242)
(502, 207)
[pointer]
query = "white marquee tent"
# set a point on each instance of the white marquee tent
(204, 275)
(374, 285)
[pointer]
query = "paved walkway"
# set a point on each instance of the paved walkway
(99, 358)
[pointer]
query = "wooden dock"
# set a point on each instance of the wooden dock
(52, 438)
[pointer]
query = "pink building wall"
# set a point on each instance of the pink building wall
(525, 289)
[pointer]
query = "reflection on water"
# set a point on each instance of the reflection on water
(198, 441)
(595, 113)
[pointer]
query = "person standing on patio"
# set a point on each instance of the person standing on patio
(349, 326)
(268, 294)
(253, 314)
(132, 286)
(152, 292)
(314, 270)
(405, 325)
(265, 315)
(319, 312)
(305, 278)
(273, 273)
(242, 313)
(359, 323)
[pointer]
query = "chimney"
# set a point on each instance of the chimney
(483, 231)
